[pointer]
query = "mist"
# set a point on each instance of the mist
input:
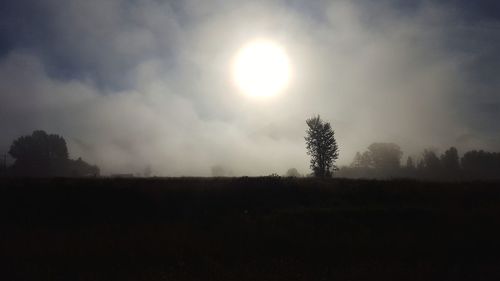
(131, 84)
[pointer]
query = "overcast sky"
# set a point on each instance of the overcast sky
(147, 82)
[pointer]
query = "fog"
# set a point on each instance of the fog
(137, 83)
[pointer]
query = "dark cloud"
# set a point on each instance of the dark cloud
(95, 40)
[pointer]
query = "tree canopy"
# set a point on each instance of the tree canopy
(39, 147)
(321, 146)
(42, 154)
(385, 156)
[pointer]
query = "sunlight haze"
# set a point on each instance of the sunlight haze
(261, 69)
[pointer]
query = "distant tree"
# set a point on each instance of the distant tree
(361, 167)
(80, 168)
(366, 160)
(450, 160)
(410, 164)
(431, 163)
(421, 165)
(292, 172)
(362, 161)
(356, 162)
(481, 164)
(385, 156)
(321, 146)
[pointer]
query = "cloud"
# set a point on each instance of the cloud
(137, 83)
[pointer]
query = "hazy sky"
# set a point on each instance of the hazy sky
(147, 82)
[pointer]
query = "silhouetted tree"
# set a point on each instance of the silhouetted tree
(385, 156)
(292, 172)
(39, 154)
(410, 164)
(39, 147)
(450, 161)
(481, 164)
(321, 146)
(431, 165)
(42, 154)
(80, 168)
(431, 161)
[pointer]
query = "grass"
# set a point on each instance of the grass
(248, 229)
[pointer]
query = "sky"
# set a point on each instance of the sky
(137, 83)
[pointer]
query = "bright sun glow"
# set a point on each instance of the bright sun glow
(261, 69)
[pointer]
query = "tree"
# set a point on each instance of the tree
(362, 161)
(356, 162)
(39, 147)
(80, 168)
(385, 156)
(410, 164)
(39, 154)
(481, 164)
(42, 154)
(321, 146)
(431, 165)
(292, 173)
(450, 160)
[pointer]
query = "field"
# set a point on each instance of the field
(248, 229)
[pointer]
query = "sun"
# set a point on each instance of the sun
(261, 69)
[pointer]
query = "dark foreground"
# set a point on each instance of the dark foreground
(248, 229)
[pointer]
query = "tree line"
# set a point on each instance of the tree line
(384, 160)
